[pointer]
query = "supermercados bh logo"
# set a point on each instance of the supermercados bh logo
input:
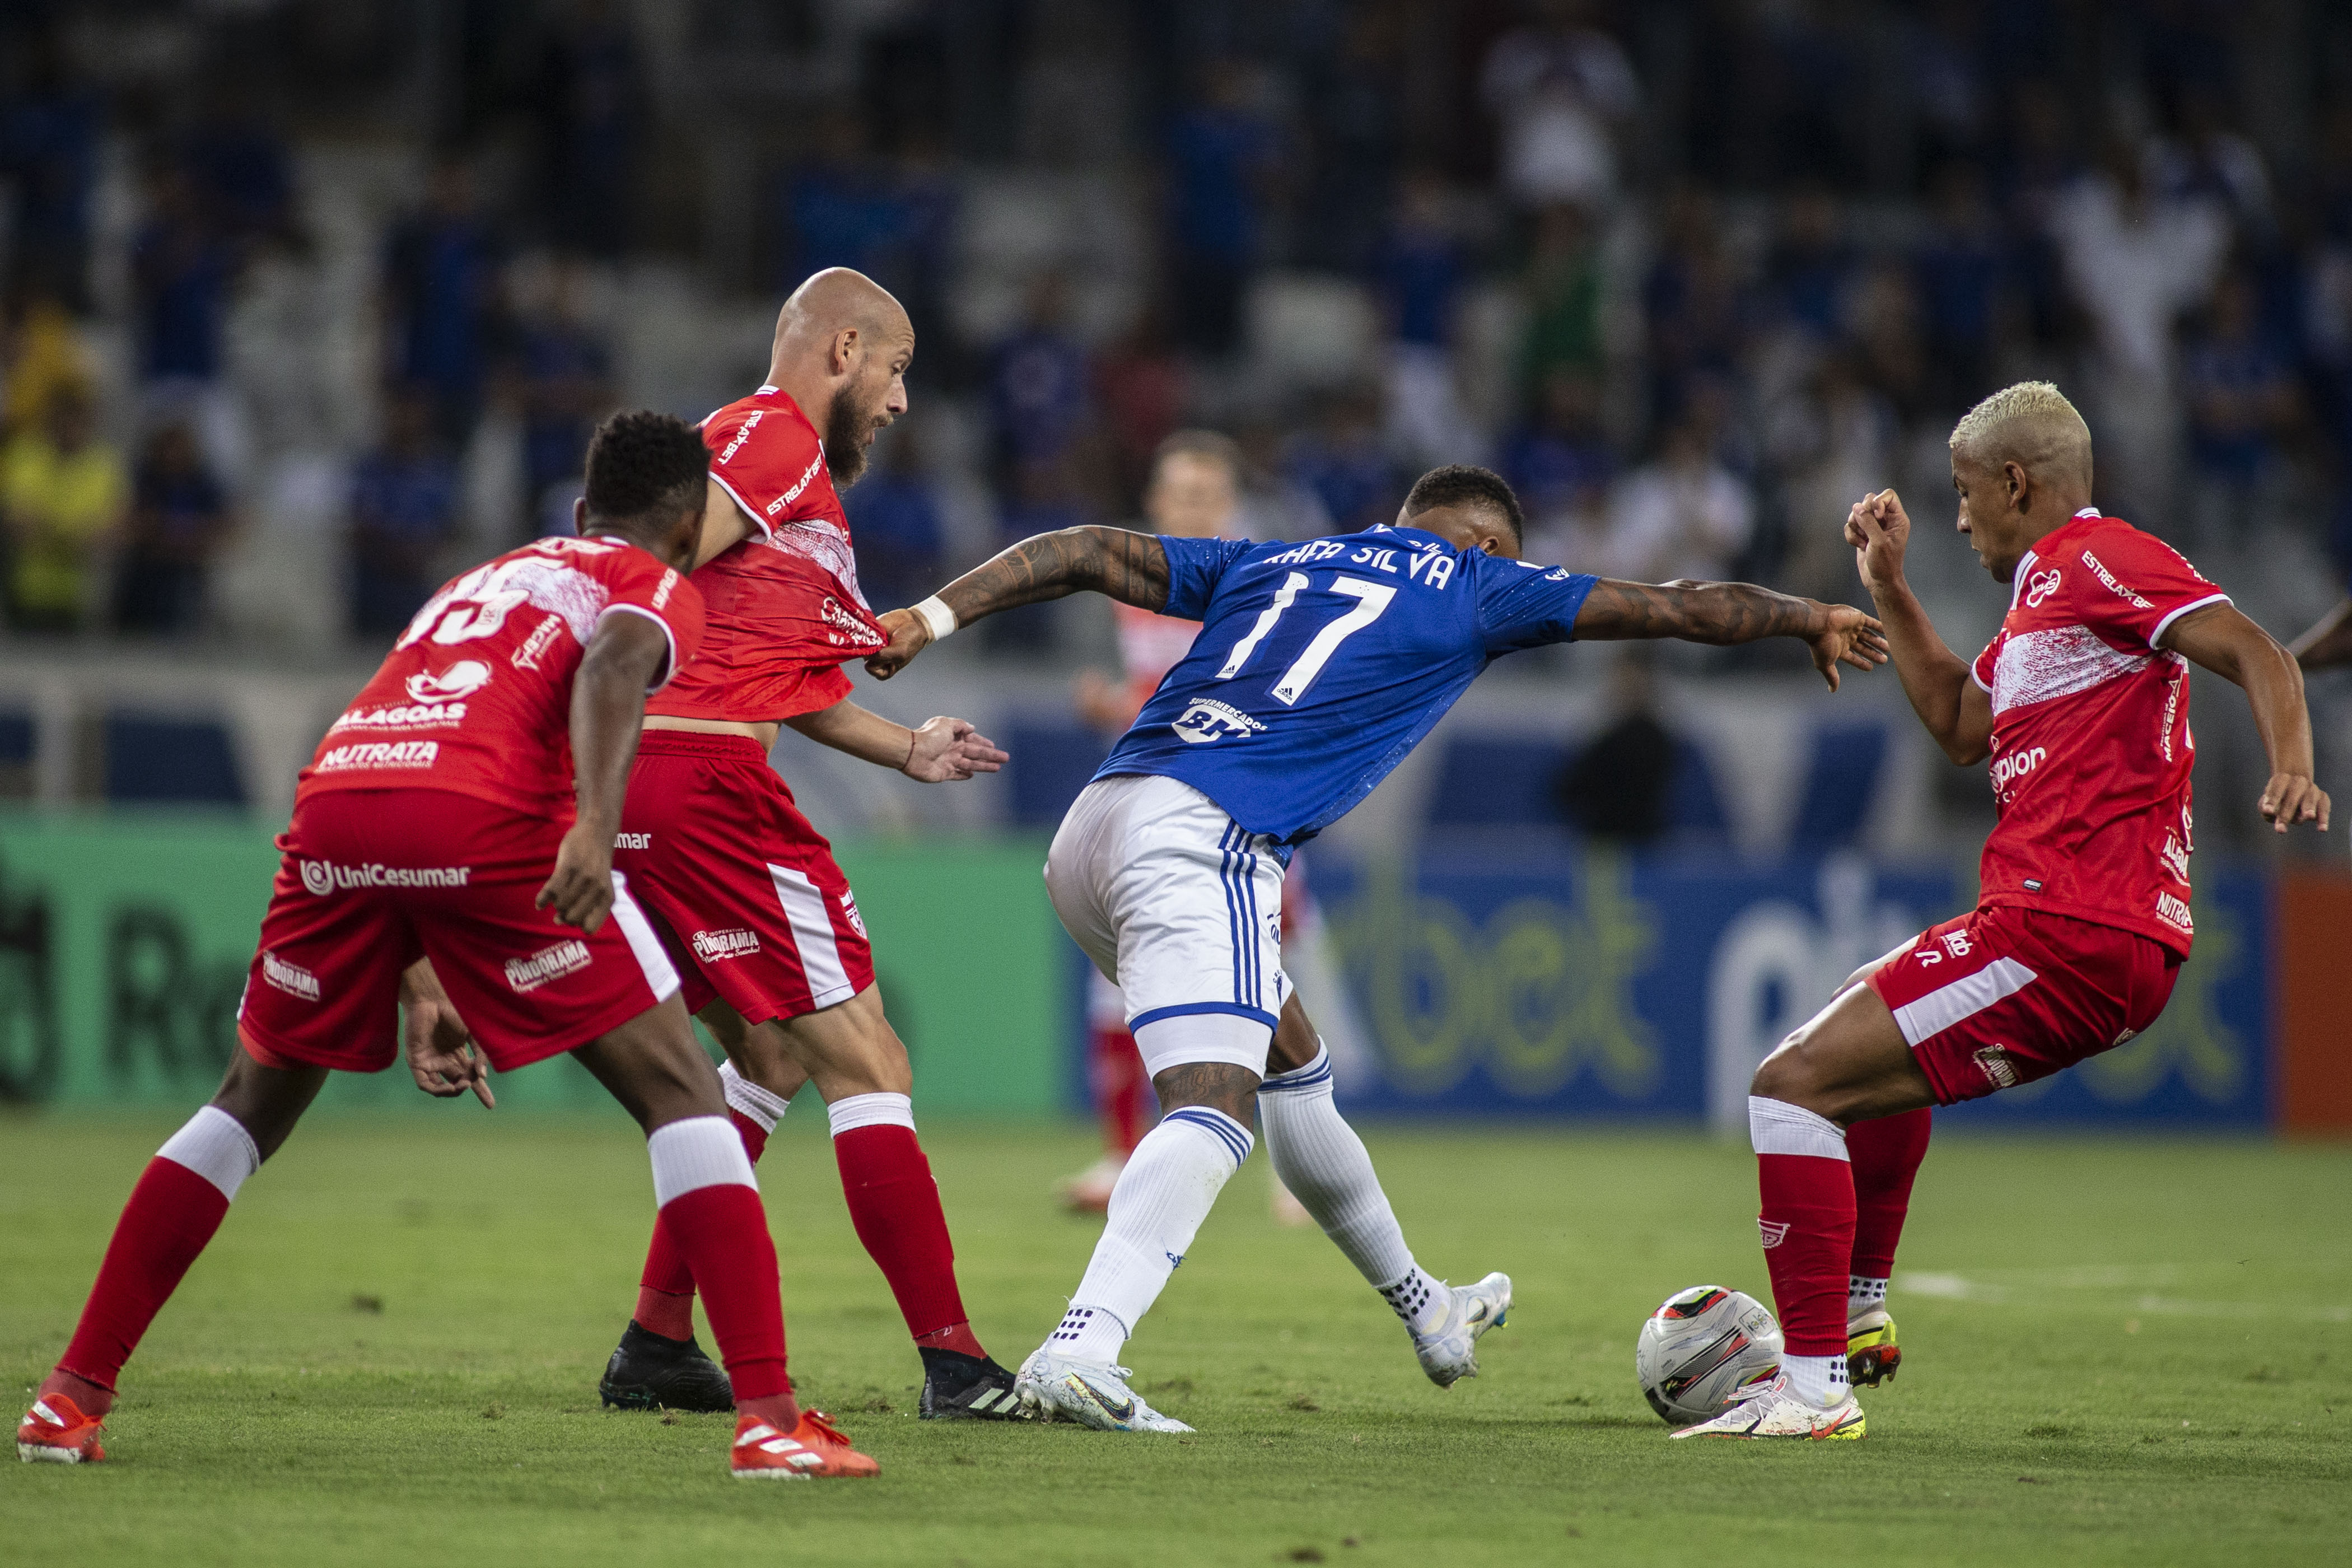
(291, 978)
(380, 754)
(322, 876)
(1206, 720)
(713, 945)
(567, 957)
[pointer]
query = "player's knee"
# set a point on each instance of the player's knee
(1787, 1075)
(1220, 1086)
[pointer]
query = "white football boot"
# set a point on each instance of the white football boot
(1091, 1392)
(1775, 1412)
(1451, 1353)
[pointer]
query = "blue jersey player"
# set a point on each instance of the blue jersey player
(1317, 669)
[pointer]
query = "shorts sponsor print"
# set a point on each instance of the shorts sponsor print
(744, 892)
(356, 903)
(2004, 995)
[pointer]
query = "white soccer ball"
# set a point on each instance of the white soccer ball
(1704, 1349)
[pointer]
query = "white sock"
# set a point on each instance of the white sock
(763, 1106)
(1818, 1380)
(1169, 1184)
(1324, 1165)
(1862, 1294)
(695, 1153)
(878, 1110)
(216, 1146)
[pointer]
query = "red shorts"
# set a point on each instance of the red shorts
(2001, 996)
(744, 892)
(372, 879)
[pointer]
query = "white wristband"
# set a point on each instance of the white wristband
(937, 615)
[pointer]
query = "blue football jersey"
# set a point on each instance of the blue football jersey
(1318, 666)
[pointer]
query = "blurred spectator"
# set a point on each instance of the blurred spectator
(1811, 272)
(1558, 90)
(1223, 166)
(42, 356)
(51, 127)
(1140, 387)
(591, 103)
(2240, 393)
(1356, 115)
(2207, 161)
(1561, 466)
(1038, 383)
(1341, 459)
(1563, 290)
(440, 287)
(1683, 515)
(181, 268)
(1619, 787)
(1959, 269)
(894, 519)
(1274, 503)
(239, 165)
(1834, 443)
(403, 511)
(1422, 271)
(1945, 50)
(1044, 497)
(179, 520)
(2135, 264)
(61, 498)
(563, 372)
(840, 209)
(1697, 328)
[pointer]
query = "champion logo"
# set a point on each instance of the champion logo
(380, 754)
(324, 877)
(856, 633)
(1772, 1232)
(567, 957)
(713, 945)
(1994, 1060)
(291, 978)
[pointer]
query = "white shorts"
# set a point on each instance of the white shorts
(1180, 906)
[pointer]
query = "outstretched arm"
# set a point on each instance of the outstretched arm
(1725, 612)
(1947, 697)
(2221, 639)
(943, 750)
(2328, 644)
(1126, 565)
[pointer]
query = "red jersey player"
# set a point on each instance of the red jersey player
(743, 890)
(2080, 705)
(435, 832)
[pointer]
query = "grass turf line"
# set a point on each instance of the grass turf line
(2132, 1351)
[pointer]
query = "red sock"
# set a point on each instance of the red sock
(1808, 1224)
(1885, 1154)
(172, 1213)
(665, 1288)
(1118, 1089)
(723, 1232)
(895, 1205)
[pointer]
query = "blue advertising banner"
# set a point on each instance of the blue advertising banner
(1601, 985)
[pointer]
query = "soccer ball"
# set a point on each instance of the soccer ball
(1706, 1348)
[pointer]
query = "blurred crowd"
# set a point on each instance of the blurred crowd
(1693, 275)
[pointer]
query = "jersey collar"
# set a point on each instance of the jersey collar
(2032, 557)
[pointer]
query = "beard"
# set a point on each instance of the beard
(846, 424)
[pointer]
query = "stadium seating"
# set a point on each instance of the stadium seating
(1487, 782)
(1052, 761)
(171, 760)
(1840, 785)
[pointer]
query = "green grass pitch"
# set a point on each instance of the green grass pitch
(2126, 1350)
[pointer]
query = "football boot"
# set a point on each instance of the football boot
(653, 1372)
(1775, 1412)
(1450, 1352)
(958, 1387)
(1871, 1352)
(815, 1447)
(56, 1432)
(1090, 1393)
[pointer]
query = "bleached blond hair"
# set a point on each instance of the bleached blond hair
(2033, 425)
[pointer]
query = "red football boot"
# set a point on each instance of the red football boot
(56, 1432)
(815, 1447)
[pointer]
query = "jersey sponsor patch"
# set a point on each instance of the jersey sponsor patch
(2174, 912)
(407, 716)
(380, 754)
(566, 957)
(291, 978)
(324, 877)
(1206, 721)
(632, 841)
(460, 680)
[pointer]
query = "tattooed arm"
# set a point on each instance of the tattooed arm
(1723, 612)
(1119, 562)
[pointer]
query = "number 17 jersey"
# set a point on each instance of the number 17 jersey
(1319, 665)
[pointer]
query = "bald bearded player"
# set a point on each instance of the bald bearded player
(745, 892)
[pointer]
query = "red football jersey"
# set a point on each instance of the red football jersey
(783, 605)
(476, 697)
(1150, 645)
(2091, 748)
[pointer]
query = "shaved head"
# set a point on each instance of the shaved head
(841, 351)
(830, 300)
(2032, 424)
